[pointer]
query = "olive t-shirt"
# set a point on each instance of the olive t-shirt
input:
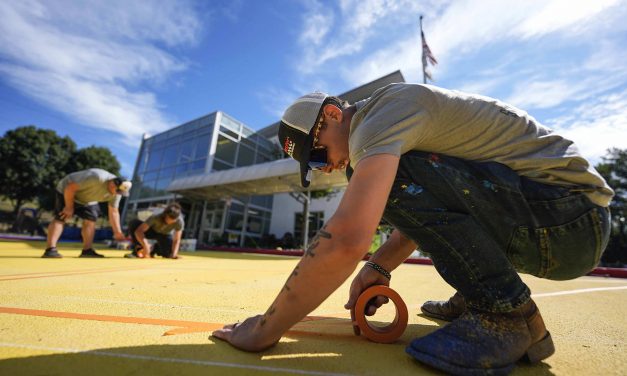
(92, 186)
(402, 117)
(158, 225)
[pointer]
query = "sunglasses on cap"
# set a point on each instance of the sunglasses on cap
(318, 158)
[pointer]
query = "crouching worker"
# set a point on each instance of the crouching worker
(79, 193)
(480, 185)
(158, 227)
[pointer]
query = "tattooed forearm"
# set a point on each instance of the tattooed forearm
(316, 241)
(266, 315)
(294, 274)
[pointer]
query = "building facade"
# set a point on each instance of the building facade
(217, 142)
(210, 143)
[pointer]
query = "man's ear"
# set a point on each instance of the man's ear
(332, 112)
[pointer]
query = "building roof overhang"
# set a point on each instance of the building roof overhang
(278, 176)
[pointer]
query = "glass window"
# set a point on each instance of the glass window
(162, 184)
(199, 165)
(154, 159)
(316, 221)
(170, 155)
(237, 208)
(229, 133)
(202, 145)
(150, 176)
(245, 156)
(174, 139)
(254, 224)
(235, 221)
(229, 124)
(226, 149)
(218, 165)
(136, 189)
(262, 158)
(147, 190)
(181, 170)
(187, 151)
(166, 173)
(141, 161)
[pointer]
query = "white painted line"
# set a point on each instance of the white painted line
(171, 360)
(580, 291)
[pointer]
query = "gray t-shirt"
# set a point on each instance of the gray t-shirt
(92, 186)
(158, 225)
(402, 117)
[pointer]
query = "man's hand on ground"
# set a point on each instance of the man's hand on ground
(245, 335)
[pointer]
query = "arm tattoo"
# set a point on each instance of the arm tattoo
(294, 274)
(269, 313)
(316, 241)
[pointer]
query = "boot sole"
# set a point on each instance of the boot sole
(540, 350)
(535, 353)
(90, 256)
(437, 316)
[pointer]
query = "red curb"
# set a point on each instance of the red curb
(596, 272)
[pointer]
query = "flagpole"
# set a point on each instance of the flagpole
(424, 75)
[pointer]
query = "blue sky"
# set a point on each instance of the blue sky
(106, 72)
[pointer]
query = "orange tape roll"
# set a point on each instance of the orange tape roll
(386, 334)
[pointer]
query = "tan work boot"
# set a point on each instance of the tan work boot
(445, 310)
(482, 343)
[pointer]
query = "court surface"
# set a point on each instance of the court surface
(118, 316)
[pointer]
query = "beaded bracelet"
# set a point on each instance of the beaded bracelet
(378, 268)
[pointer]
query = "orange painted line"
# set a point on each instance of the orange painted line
(198, 326)
(60, 274)
(181, 327)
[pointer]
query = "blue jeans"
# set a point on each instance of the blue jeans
(482, 223)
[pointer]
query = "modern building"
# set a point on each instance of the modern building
(234, 184)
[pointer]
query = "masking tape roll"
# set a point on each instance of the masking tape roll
(389, 333)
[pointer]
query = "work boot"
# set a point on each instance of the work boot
(447, 310)
(51, 252)
(481, 343)
(90, 253)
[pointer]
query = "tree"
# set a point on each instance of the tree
(614, 170)
(31, 162)
(94, 157)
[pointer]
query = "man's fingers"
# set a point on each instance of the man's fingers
(226, 332)
(352, 299)
(223, 334)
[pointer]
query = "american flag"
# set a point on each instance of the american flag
(427, 56)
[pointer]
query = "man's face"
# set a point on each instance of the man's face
(111, 187)
(333, 140)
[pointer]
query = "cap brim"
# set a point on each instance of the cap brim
(305, 170)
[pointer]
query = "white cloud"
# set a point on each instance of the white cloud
(559, 14)
(544, 94)
(597, 125)
(464, 27)
(89, 60)
(343, 32)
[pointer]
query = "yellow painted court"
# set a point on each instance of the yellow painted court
(118, 316)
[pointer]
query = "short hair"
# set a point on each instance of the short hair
(172, 211)
(337, 102)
